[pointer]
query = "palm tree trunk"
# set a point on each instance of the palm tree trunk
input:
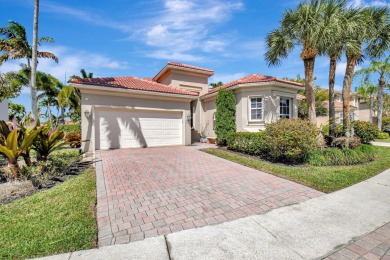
(332, 110)
(351, 62)
(33, 87)
(371, 108)
(380, 98)
(62, 115)
(309, 89)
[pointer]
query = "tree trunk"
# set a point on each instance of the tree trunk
(309, 89)
(380, 98)
(33, 87)
(332, 110)
(371, 108)
(351, 62)
(62, 115)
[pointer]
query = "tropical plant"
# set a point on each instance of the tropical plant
(303, 27)
(14, 144)
(336, 19)
(383, 69)
(17, 110)
(15, 45)
(216, 85)
(225, 116)
(47, 141)
(366, 131)
(10, 86)
(370, 26)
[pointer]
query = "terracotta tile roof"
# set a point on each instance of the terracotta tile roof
(337, 104)
(176, 64)
(133, 83)
(253, 78)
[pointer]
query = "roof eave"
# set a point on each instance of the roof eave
(128, 90)
(255, 84)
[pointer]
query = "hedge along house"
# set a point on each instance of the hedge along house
(174, 107)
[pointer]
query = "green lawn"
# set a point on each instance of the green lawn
(383, 140)
(326, 179)
(49, 222)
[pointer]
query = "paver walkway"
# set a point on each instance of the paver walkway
(156, 191)
(374, 246)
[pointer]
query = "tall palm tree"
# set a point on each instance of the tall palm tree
(383, 69)
(300, 27)
(370, 26)
(15, 45)
(216, 85)
(335, 21)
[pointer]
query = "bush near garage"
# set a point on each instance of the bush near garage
(247, 142)
(76, 128)
(383, 135)
(386, 124)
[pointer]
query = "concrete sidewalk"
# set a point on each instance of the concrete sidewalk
(381, 144)
(310, 230)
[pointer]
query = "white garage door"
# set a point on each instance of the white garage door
(138, 128)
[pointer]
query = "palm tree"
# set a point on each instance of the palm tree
(367, 91)
(301, 27)
(383, 69)
(15, 45)
(216, 85)
(84, 75)
(370, 26)
(335, 21)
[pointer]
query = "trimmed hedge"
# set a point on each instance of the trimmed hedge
(383, 135)
(386, 124)
(289, 140)
(246, 142)
(76, 128)
(338, 157)
(365, 130)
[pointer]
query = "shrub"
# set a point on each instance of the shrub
(289, 140)
(383, 135)
(386, 124)
(365, 130)
(337, 157)
(246, 142)
(338, 130)
(73, 139)
(346, 142)
(76, 128)
(225, 116)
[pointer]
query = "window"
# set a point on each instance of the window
(214, 121)
(285, 108)
(352, 115)
(340, 118)
(256, 109)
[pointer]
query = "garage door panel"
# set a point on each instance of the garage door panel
(130, 129)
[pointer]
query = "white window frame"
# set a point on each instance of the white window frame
(290, 107)
(250, 109)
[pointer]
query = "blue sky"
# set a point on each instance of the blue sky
(137, 38)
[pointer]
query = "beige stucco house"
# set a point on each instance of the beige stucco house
(175, 107)
(357, 112)
(4, 110)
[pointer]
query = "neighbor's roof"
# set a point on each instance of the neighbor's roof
(337, 104)
(133, 83)
(253, 78)
(187, 67)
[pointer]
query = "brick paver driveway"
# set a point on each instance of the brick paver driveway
(157, 191)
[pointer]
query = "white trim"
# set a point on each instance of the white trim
(130, 91)
(250, 120)
(291, 101)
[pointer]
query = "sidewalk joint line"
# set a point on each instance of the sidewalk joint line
(168, 247)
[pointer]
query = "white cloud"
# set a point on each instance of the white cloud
(226, 78)
(70, 63)
(174, 56)
(89, 16)
(341, 66)
(185, 26)
(375, 3)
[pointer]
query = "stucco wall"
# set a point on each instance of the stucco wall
(4, 110)
(97, 100)
(190, 81)
(270, 95)
(364, 112)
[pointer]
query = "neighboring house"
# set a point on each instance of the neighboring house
(175, 106)
(354, 107)
(4, 110)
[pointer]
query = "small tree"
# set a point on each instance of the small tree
(225, 117)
